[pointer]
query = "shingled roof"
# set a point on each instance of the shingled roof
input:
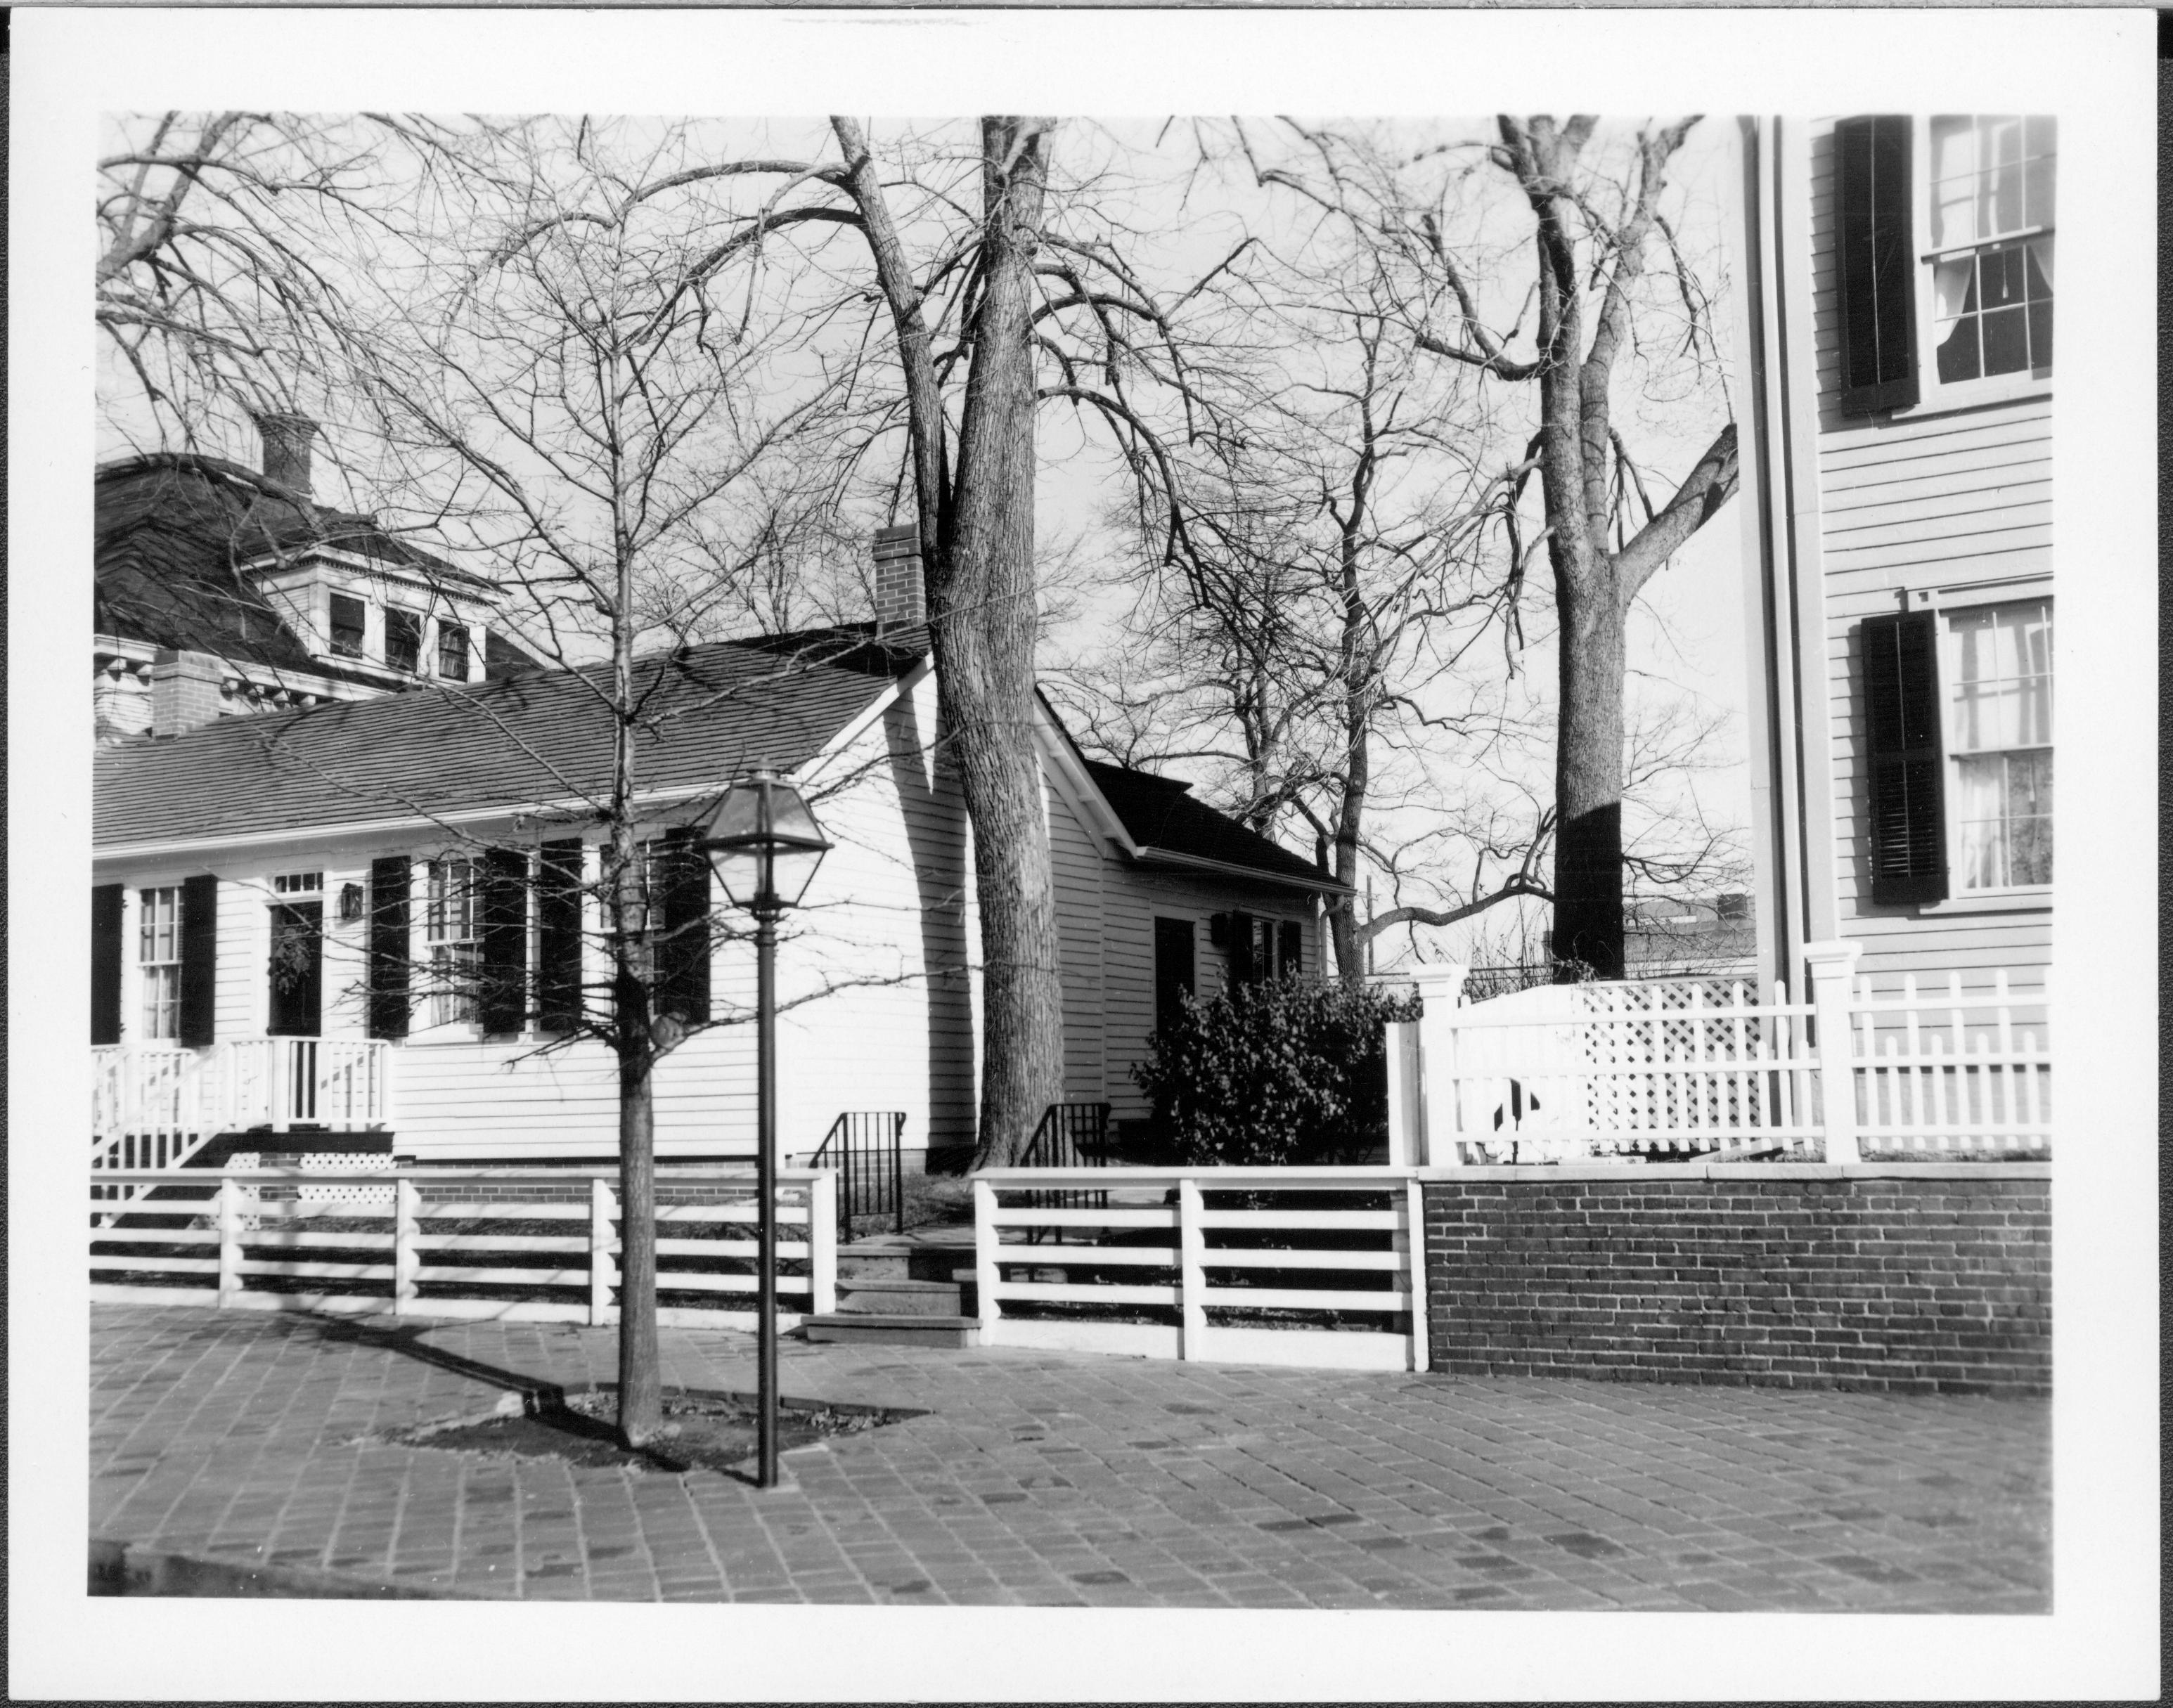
(172, 531)
(1159, 813)
(708, 713)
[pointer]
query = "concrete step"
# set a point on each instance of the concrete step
(856, 1265)
(869, 1328)
(926, 1254)
(862, 1295)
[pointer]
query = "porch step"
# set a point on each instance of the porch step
(216, 1151)
(870, 1296)
(893, 1328)
(927, 1254)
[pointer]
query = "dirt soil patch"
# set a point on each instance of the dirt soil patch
(703, 1432)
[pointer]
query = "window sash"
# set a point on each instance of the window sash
(1995, 665)
(453, 651)
(1985, 242)
(450, 930)
(349, 621)
(403, 639)
(1991, 176)
(450, 911)
(453, 970)
(158, 961)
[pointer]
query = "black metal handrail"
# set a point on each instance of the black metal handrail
(1071, 1135)
(865, 1146)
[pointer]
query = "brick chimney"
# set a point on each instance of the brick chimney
(899, 601)
(184, 690)
(285, 439)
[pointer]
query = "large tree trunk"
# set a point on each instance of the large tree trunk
(640, 1397)
(1589, 777)
(1357, 722)
(1350, 821)
(984, 618)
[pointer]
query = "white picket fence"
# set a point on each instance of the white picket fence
(247, 1225)
(1226, 1265)
(1690, 1067)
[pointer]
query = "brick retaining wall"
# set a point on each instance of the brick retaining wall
(1908, 1279)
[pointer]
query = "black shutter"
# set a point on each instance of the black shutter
(199, 959)
(559, 936)
(1173, 969)
(502, 997)
(388, 880)
(1290, 956)
(1243, 969)
(1875, 264)
(105, 962)
(1902, 756)
(681, 875)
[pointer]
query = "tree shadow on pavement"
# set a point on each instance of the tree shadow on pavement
(407, 1341)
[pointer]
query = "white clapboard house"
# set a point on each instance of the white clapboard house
(362, 921)
(1895, 327)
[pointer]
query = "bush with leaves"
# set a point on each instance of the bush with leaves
(1289, 1071)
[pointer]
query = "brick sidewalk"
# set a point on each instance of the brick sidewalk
(1040, 1479)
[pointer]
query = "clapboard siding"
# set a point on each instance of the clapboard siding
(1917, 500)
(1077, 859)
(1993, 468)
(882, 970)
(241, 1008)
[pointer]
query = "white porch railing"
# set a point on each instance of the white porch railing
(1230, 1264)
(1685, 1067)
(245, 1240)
(147, 1091)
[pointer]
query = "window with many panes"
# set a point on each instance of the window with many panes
(158, 961)
(453, 651)
(449, 929)
(1990, 245)
(403, 639)
(347, 618)
(1943, 241)
(1996, 667)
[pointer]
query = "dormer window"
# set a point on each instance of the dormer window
(403, 639)
(453, 651)
(347, 618)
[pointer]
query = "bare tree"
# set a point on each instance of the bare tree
(564, 369)
(1003, 289)
(1312, 638)
(1596, 220)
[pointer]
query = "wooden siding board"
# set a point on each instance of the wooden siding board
(1078, 861)
(2018, 486)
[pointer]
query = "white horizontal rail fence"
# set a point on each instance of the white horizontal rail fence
(1245, 1265)
(195, 1237)
(1943, 1071)
(1675, 1067)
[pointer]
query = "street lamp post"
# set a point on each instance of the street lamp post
(765, 845)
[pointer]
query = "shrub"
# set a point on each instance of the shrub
(1288, 1071)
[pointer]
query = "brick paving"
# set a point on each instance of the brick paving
(1050, 1479)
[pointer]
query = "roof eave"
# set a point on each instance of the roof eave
(1151, 855)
